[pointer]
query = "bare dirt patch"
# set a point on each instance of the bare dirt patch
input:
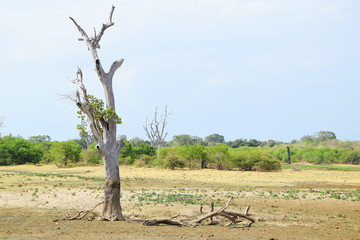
(285, 204)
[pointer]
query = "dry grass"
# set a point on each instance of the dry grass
(283, 202)
(283, 178)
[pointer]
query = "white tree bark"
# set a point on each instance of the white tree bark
(105, 134)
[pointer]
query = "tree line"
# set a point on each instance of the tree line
(184, 151)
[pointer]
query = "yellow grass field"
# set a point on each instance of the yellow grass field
(289, 204)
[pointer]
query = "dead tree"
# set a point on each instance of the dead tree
(1, 124)
(89, 139)
(102, 120)
(289, 154)
(193, 221)
(155, 130)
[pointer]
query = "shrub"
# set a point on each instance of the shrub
(219, 155)
(16, 150)
(267, 164)
(195, 155)
(90, 156)
(248, 158)
(172, 160)
(63, 153)
(144, 160)
(126, 160)
(144, 149)
(351, 158)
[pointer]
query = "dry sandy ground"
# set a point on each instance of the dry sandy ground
(29, 203)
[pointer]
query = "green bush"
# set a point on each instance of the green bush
(172, 160)
(127, 151)
(195, 156)
(63, 153)
(144, 160)
(248, 159)
(126, 160)
(16, 150)
(90, 156)
(267, 164)
(219, 156)
(143, 149)
(351, 157)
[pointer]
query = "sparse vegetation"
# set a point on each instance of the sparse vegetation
(154, 192)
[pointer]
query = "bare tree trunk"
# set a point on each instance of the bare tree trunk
(112, 207)
(289, 155)
(203, 164)
(158, 151)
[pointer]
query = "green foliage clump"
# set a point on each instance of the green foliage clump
(194, 155)
(144, 149)
(127, 155)
(90, 155)
(318, 137)
(99, 113)
(185, 139)
(214, 139)
(63, 153)
(16, 150)
(268, 164)
(172, 160)
(249, 158)
(144, 160)
(219, 155)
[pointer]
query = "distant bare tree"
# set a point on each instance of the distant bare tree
(1, 124)
(155, 130)
(88, 137)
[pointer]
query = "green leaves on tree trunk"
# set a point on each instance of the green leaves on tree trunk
(101, 115)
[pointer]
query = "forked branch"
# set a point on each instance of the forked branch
(93, 43)
(149, 132)
(83, 103)
(96, 39)
(155, 130)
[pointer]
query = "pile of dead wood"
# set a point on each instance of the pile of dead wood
(193, 221)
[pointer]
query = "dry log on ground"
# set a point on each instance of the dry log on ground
(82, 214)
(193, 221)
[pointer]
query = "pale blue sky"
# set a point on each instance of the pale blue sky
(270, 69)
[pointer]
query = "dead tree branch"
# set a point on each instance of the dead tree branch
(149, 132)
(1, 124)
(82, 101)
(81, 214)
(193, 221)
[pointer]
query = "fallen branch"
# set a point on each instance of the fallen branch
(81, 214)
(59, 166)
(193, 221)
